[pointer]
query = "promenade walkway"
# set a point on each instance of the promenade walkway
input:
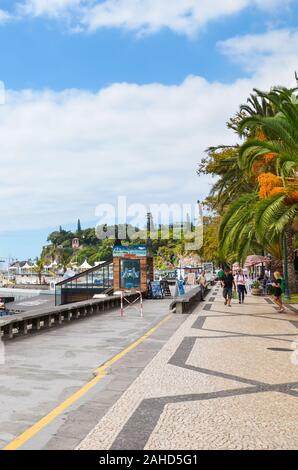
(44, 372)
(225, 380)
(220, 378)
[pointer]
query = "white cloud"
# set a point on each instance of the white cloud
(247, 49)
(64, 153)
(4, 16)
(182, 16)
(2, 93)
(51, 8)
(143, 16)
(269, 55)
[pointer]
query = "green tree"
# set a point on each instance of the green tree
(210, 248)
(277, 211)
(223, 163)
(255, 217)
(38, 269)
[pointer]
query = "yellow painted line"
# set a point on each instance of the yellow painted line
(100, 374)
(119, 356)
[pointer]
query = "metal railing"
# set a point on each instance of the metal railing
(31, 322)
(96, 280)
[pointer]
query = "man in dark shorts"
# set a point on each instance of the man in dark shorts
(228, 283)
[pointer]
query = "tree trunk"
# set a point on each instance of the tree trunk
(276, 265)
(290, 259)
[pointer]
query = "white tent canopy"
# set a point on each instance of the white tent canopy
(85, 265)
(27, 266)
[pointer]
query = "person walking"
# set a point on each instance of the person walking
(220, 274)
(265, 281)
(240, 282)
(228, 283)
(277, 291)
(202, 281)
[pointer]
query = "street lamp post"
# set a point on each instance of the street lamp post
(286, 274)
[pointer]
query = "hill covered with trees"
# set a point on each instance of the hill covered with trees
(167, 251)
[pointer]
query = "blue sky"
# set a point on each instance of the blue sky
(33, 50)
(132, 92)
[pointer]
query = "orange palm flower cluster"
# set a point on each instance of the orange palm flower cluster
(268, 182)
(260, 134)
(292, 198)
(277, 190)
(268, 157)
(257, 167)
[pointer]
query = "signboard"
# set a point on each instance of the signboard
(156, 291)
(123, 251)
(191, 279)
(208, 267)
(130, 274)
(181, 289)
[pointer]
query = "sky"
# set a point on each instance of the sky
(108, 98)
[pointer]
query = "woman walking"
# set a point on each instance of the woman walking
(277, 291)
(202, 281)
(240, 282)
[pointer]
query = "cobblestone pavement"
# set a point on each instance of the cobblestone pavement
(226, 379)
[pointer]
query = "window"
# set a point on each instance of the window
(98, 278)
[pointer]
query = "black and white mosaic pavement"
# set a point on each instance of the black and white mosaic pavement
(222, 367)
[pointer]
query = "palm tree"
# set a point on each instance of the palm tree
(64, 260)
(224, 162)
(277, 214)
(279, 134)
(275, 218)
(260, 104)
(238, 234)
(258, 186)
(38, 269)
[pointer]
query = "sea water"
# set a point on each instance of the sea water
(20, 294)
